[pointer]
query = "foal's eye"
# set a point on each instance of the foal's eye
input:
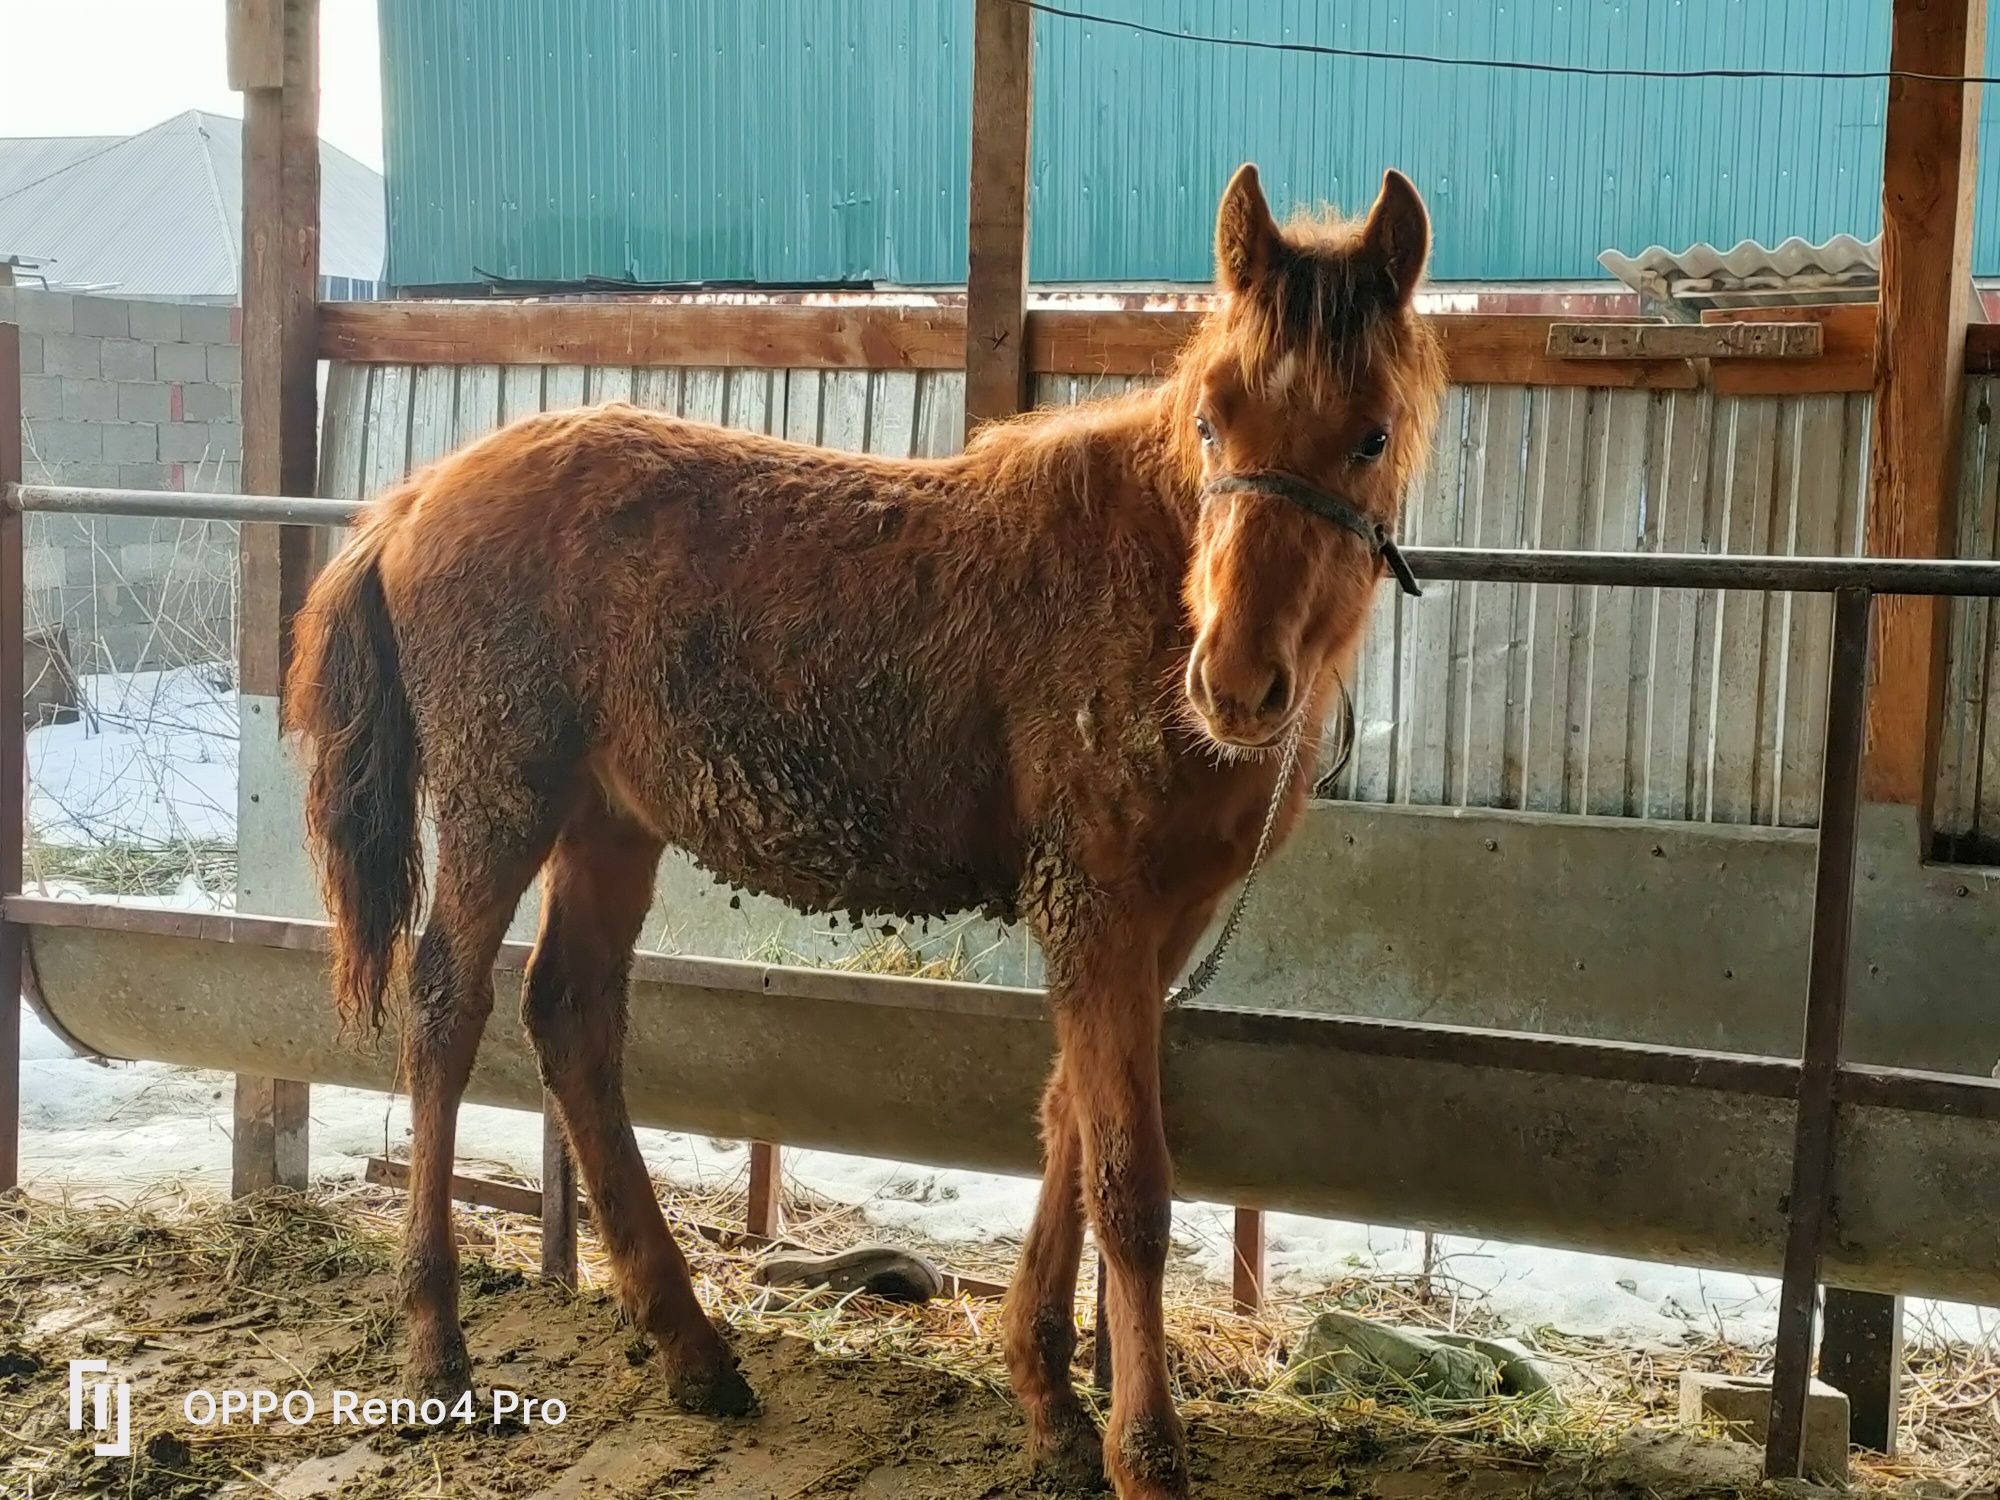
(1207, 432)
(1373, 446)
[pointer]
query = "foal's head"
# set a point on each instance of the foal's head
(1315, 379)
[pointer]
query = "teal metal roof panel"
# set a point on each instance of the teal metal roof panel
(826, 140)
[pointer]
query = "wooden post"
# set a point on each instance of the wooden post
(1928, 171)
(274, 49)
(996, 275)
(13, 754)
(766, 1214)
(1861, 1353)
(558, 1199)
(1247, 1273)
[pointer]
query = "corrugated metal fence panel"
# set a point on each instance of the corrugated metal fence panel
(822, 140)
(763, 140)
(1967, 812)
(1618, 702)
(382, 421)
(1615, 702)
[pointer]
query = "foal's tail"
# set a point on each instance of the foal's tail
(345, 696)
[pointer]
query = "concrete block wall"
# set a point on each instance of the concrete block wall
(131, 395)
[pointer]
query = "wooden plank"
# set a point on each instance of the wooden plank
(892, 413)
(1426, 675)
(996, 276)
(1557, 483)
(13, 753)
(1930, 143)
(843, 417)
(1619, 485)
(643, 333)
(478, 404)
(280, 372)
(940, 413)
(389, 401)
(765, 1214)
(521, 391)
(433, 413)
(1737, 691)
(1487, 624)
(1817, 443)
(1684, 340)
(704, 395)
(657, 390)
(565, 387)
(1861, 1354)
(254, 42)
(345, 447)
(608, 383)
(558, 1202)
(1249, 1263)
(280, 291)
(1479, 348)
(802, 404)
(1956, 813)
(746, 400)
(1676, 522)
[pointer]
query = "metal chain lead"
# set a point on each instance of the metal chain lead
(1204, 972)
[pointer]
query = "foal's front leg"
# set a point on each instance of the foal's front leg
(1041, 1307)
(1108, 1029)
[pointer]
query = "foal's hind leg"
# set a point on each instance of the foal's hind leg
(479, 880)
(595, 891)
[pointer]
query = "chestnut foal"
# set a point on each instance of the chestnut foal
(1053, 678)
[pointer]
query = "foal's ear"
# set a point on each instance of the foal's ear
(1398, 233)
(1247, 243)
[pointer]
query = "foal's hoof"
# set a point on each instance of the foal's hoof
(1069, 1455)
(717, 1391)
(439, 1375)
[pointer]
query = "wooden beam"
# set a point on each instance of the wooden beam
(1861, 1354)
(996, 277)
(765, 1215)
(1247, 1270)
(1930, 141)
(643, 333)
(1481, 348)
(280, 412)
(13, 753)
(256, 44)
(1759, 340)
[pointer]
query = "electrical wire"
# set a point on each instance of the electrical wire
(1510, 65)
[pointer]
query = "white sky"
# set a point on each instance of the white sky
(110, 67)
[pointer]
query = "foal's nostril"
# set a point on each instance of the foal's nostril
(1279, 697)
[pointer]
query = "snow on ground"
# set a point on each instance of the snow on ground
(152, 761)
(159, 764)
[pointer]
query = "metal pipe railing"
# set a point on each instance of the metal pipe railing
(181, 505)
(1663, 570)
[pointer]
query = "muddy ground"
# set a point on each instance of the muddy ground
(296, 1302)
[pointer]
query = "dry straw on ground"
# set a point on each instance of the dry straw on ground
(1223, 1363)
